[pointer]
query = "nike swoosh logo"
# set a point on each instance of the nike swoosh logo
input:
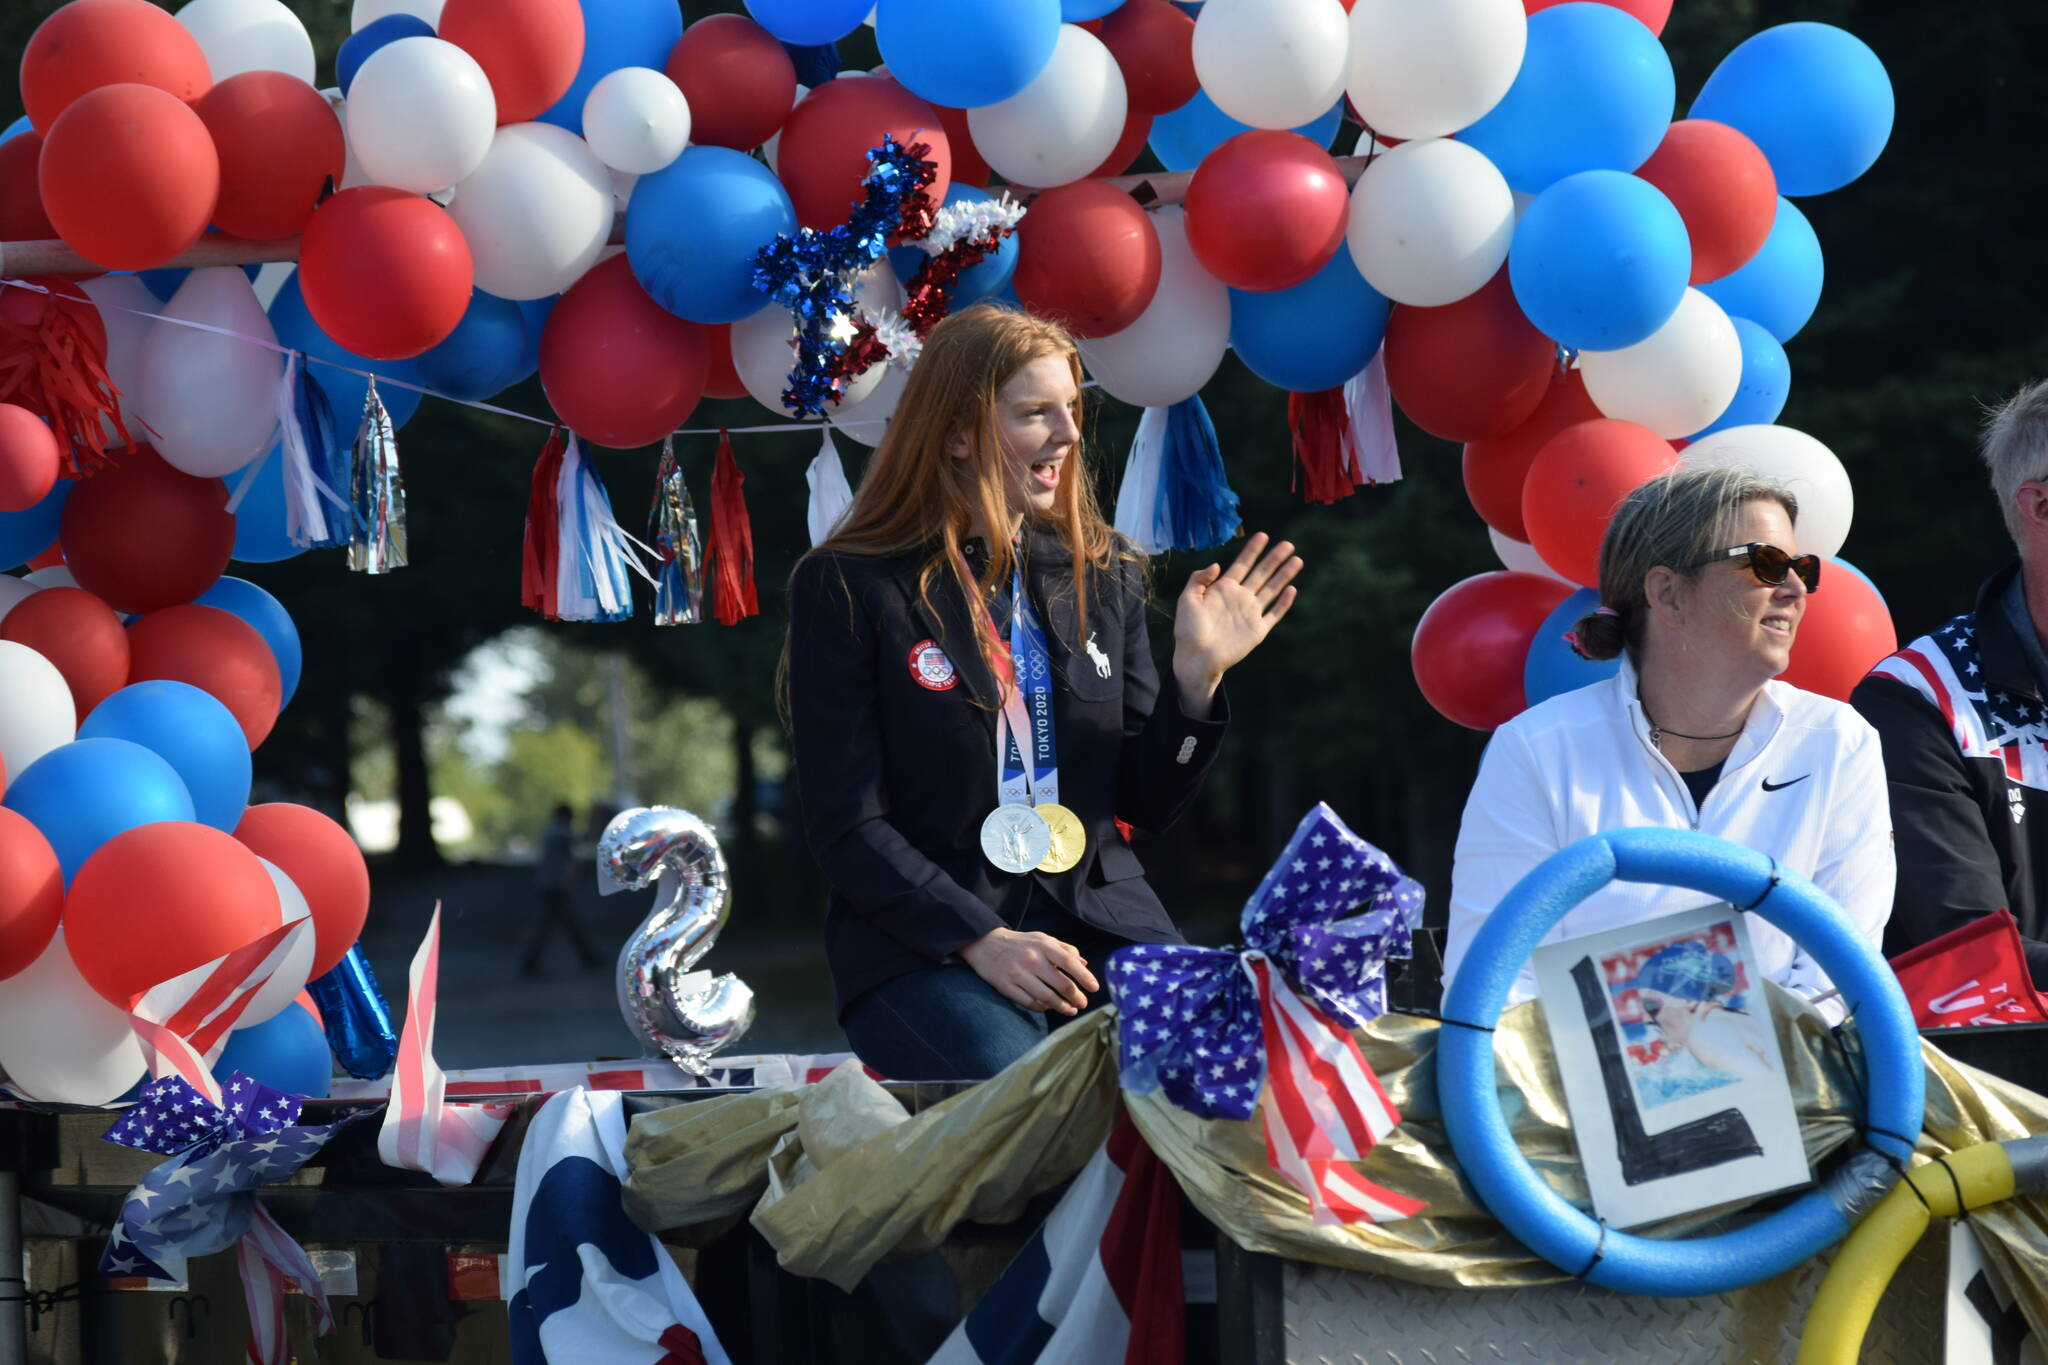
(1771, 786)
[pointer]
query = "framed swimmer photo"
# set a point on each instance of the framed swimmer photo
(1670, 1064)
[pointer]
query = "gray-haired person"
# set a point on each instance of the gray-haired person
(1963, 712)
(1702, 590)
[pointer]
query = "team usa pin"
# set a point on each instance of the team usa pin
(930, 668)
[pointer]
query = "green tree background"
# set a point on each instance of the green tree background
(1931, 311)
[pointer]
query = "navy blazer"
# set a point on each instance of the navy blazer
(892, 713)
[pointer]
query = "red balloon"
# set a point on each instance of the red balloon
(620, 370)
(1722, 187)
(823, 152)
(279, 145)
(161, 899)
(721, 379)
(324, 863)
(52, 557)
(1496, 467)
(385, 274)
(1846, 630)
(21, 195)
(1154, 46)
(129, 176)
(1472, 642)
(1137, 128)
(28, 457)
(1087, 257)
(968, 166)
(80, 635)
(217, 652)
(1266, 210)
(529, 49)
(1470, 369)
(738, 80)
(92, 43)
(31, 892)
(1653, 14)
(1578, 480)
(141, 535)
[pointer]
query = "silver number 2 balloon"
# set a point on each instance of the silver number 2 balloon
(685, 1015)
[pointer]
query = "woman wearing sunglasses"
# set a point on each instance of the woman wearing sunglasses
(1702, 589)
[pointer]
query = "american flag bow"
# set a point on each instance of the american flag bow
(1209, 1027)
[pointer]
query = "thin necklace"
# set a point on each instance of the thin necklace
(1657, 733)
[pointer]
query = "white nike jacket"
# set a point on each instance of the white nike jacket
(1805, 783)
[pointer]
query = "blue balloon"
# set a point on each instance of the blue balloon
(976, 283)
(535, 314)
(481, 357)
(242, 598)
(1182, 138)
(29, 532)
(344, 388)
(357, 47)
(84, 793)
(1314, 336)
(693, 228)
(1595, 93)
(1766, 382)
(1600, 260)
(1779, 287)
(808, 23)
(285, 1052)
(260, 536)
(15, 129)
(190, 730)
(1081, 11)
(1815, 98)
(1553, 667)
(616, 33)
(965, 55)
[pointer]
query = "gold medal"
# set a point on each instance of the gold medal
(1069, 840)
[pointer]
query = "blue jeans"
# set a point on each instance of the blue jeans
(944, 1023)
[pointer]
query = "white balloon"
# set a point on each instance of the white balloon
(60, 1042)
(636, 120)
(352, 172)
(1272, 63)
(1426, 68)
(290, 977)
(1521, 556)
(367, 12)
(1674, 381)
(122, 300)
(622, 189)
(536, 213)
(56, 576)
(12, 590)
(211, 399)
(1174, 347)
(1431, 222)
(36, 710)
(1064, 124)
(249, 35)
(764, 350)
(1808, 470)
(420, 115)
(868, 420)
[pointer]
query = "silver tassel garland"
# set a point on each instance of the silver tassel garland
(672, 527)
(376, 542)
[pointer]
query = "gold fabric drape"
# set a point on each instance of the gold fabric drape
(982, 1154)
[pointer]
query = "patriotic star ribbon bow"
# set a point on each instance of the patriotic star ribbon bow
(1210, 1027)
(203, 1199)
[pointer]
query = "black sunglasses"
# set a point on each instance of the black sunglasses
(1771, 564)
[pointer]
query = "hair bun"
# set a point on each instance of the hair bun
(1599, 635)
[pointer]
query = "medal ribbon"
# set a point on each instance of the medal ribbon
(1026, 646)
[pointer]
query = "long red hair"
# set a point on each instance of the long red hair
(916, 498)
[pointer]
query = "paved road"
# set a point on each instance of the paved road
(491, 1015)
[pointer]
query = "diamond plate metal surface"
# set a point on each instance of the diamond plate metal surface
(1341, 1317)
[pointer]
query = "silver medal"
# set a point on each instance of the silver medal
(1015, 838)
